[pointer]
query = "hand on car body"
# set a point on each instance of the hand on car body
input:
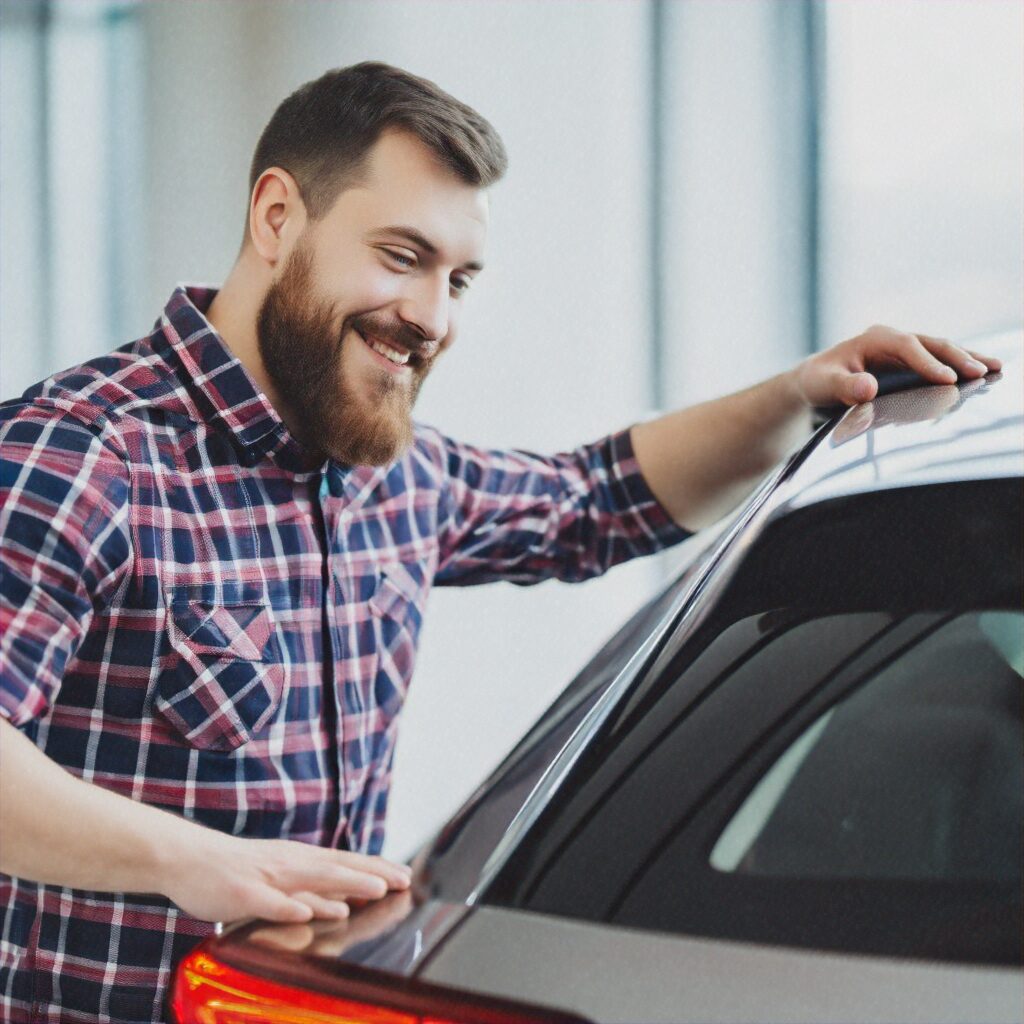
(842, 374)
(277, 880)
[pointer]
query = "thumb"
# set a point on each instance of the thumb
(854, 388)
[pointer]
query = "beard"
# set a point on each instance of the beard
(302, 354)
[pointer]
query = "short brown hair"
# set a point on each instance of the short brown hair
(323, 131)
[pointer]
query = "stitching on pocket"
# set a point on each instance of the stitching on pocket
(241, 630)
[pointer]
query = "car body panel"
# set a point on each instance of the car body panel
(667, 978)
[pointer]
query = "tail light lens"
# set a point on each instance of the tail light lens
(210, 991)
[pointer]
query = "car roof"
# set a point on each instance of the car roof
(931, 434)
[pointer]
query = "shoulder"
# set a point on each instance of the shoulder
(67, 425)
(58, 453)
(450, 461)
(427, 457)
(95, 399)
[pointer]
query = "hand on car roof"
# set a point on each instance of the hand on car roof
(842, 375)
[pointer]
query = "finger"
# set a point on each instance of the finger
(386, 869)
(395, 876)
(991, 362)
(322, 906)
(360, 884)
(965, 364)
(273, 905)
(399, 874)
(850, 388)
(336, 878)
(910, 350)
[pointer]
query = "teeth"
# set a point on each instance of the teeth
(400, 358)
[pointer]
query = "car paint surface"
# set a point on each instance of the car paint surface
(669, 978)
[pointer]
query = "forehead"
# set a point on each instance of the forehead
(404, 183)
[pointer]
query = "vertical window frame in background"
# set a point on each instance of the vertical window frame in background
(78, 186)
(25, 235)
(735, 216)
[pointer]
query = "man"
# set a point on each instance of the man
(217, 543)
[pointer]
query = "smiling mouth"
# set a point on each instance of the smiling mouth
(397, 357)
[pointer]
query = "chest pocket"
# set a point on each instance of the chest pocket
(397, 607)
(224, 680)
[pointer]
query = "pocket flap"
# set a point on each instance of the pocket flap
(238, 630)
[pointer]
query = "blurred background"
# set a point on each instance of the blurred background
(700, 193)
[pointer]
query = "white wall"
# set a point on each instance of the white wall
(924, 144)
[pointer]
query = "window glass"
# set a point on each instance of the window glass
(918, 774)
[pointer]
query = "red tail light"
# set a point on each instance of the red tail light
(209, 991)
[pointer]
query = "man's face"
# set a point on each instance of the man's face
(368, 299)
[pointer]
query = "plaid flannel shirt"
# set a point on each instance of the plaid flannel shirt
(193, 618)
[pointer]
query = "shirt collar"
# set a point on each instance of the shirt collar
(220, 385)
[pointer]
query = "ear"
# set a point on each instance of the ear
(277, 214)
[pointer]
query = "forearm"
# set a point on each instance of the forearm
(700, 462)
(60, 830)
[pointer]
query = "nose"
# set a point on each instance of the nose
(425, 307)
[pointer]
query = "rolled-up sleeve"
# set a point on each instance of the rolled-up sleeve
(521, 517)
(65, 547)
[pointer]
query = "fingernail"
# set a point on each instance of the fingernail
(975, 365)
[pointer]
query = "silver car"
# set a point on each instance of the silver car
(791, 788)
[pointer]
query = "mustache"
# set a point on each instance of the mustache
(395, 332)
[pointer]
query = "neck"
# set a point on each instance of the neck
(233, 313)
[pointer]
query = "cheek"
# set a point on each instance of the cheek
(373, 287)
(363, 289)
(379, 290)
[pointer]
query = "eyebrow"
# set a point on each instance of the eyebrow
(418, 239)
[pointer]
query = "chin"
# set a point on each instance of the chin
(376, 439)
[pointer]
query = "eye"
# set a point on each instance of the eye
(403, 259)
(460, 284)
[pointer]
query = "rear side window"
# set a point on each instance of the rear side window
(833, 759)
(916, 775)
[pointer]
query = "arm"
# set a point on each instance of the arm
(524, 518)
(702, 461)
(59, 830)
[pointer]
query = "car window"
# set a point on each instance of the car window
(830, 758)
(917, 774)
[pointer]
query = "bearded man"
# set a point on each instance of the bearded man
(218, 540)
